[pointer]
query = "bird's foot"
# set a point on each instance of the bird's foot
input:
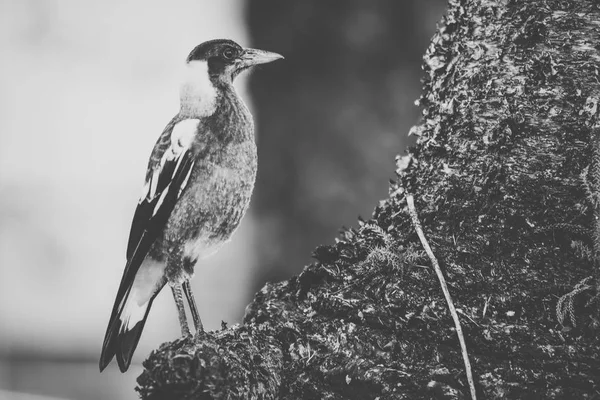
(198, 324)
(185, 332)
(199, 335)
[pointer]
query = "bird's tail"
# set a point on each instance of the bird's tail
(124, 330)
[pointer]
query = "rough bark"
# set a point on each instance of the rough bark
(506, 177)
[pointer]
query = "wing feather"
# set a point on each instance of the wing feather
(169, 169)
(168, 172)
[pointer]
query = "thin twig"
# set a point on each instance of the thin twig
(415, 220)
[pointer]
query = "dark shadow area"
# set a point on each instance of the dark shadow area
(331, 118)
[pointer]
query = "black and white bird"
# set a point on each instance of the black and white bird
(198, 185)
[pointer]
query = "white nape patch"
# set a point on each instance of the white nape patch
(144, 286)
(197, 94)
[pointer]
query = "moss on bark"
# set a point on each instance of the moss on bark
(506, 176)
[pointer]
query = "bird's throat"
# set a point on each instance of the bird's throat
(197, 93)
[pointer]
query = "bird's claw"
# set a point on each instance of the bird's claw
(186, 334)
(199, 335)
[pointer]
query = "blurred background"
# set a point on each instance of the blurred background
(86, 87)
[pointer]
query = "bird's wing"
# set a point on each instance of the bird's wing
(169, 169)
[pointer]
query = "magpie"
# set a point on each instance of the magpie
(199, 180)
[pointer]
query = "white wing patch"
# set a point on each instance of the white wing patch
(182, 137)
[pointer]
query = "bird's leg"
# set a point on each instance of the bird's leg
(195, 314)
(185, 330)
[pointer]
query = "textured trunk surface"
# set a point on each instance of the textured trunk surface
(506, 177)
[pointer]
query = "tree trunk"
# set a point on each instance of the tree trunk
(506, 178)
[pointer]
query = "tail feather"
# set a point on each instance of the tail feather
(125, 329)
(128, 340)
(127, 344)
(109, 347)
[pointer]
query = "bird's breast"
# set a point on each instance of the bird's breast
(216, 199)
(221, 182)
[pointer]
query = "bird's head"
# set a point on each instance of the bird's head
(225, 59)
(211, 67)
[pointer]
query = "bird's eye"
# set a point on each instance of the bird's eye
(229, 53)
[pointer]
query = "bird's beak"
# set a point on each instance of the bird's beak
(252, 57)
